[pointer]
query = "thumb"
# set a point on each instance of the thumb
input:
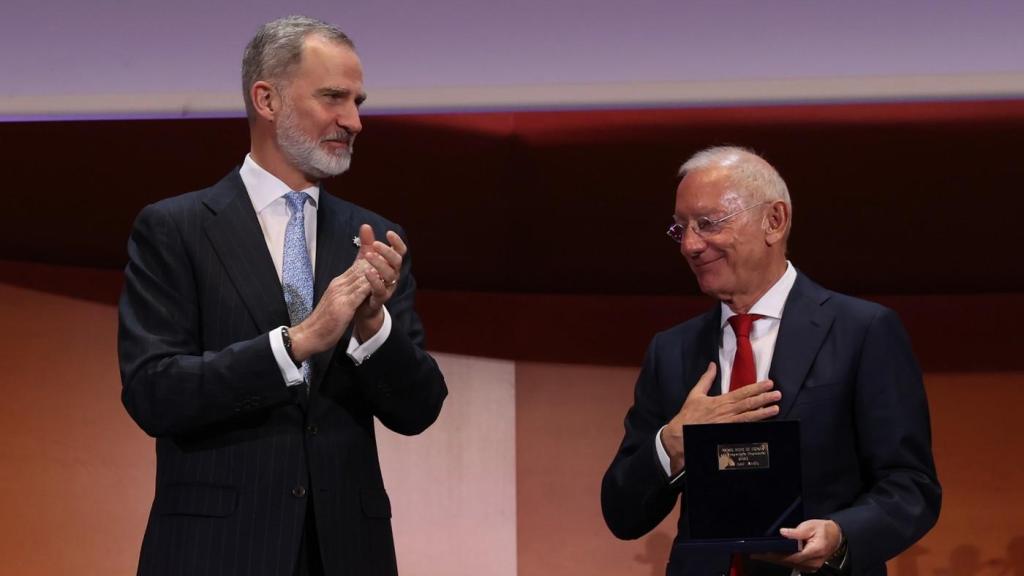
(703, 385)
(366, 239)
(803, 531)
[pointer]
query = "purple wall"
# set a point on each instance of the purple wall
(63, 49)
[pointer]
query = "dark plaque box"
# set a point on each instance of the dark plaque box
(742, 485)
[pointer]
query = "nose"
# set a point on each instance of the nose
(349, 120)
(692, 244)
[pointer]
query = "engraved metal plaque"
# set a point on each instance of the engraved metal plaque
(754, 456)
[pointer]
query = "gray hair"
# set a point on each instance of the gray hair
(747, 171)
(277, 48)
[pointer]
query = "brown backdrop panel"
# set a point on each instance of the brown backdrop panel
(568, 426)
(949, 331)
(77, 474)
(978, 446)
(900, 198)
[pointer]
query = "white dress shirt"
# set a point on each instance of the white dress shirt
(266, 192)
(763, 334)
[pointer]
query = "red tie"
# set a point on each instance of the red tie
(743, 373)
(743, 370)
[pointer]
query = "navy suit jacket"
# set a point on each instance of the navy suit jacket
(847, 372)
(238, 452)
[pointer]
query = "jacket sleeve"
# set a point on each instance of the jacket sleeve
(400, 381)
(170, 385)
(636, 495)
(902, 494)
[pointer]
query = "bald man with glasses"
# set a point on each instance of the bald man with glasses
(777, 346)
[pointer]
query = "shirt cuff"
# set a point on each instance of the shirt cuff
(289, 371)
(666, 462)
(360, 353)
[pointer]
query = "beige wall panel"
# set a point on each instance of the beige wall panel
(453, 488)
(569, 425)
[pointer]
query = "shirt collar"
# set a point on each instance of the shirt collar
(774, 300)
(264, 187)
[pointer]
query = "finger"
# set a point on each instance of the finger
(760, 401)
(703, 385)
(362, 287)
(397, 242)
(803, 531)
(366, 239)
(354, 271)
(378, 289)
(357, 267)
(348, 286)
(389, 254)
(756, 415)
(376, 282)
(343, 280)
(387, 274)
(350, 275)
(752, 389)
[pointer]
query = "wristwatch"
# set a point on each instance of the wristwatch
(838, 563)
(287, 339)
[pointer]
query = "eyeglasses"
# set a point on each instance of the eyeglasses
(704, 226)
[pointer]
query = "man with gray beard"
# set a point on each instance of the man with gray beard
(264, 325)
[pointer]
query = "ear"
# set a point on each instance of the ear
(266, 100)
(777, 221)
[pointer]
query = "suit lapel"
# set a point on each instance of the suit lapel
(705, 351)
(237, 238)
(335, 252)
(805, 323)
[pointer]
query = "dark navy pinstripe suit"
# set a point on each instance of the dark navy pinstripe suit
(239, 453)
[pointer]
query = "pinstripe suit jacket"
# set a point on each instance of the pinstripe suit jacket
(239, 453)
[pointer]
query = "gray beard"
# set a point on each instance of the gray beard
(306, 154)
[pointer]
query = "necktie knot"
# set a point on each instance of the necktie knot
(296, 201)
(742, 323)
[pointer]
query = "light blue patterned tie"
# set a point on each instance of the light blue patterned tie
(296, 268)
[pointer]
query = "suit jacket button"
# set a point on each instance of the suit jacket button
(311, 429)
(299, 491)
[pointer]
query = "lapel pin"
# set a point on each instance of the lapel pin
(356, 242)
